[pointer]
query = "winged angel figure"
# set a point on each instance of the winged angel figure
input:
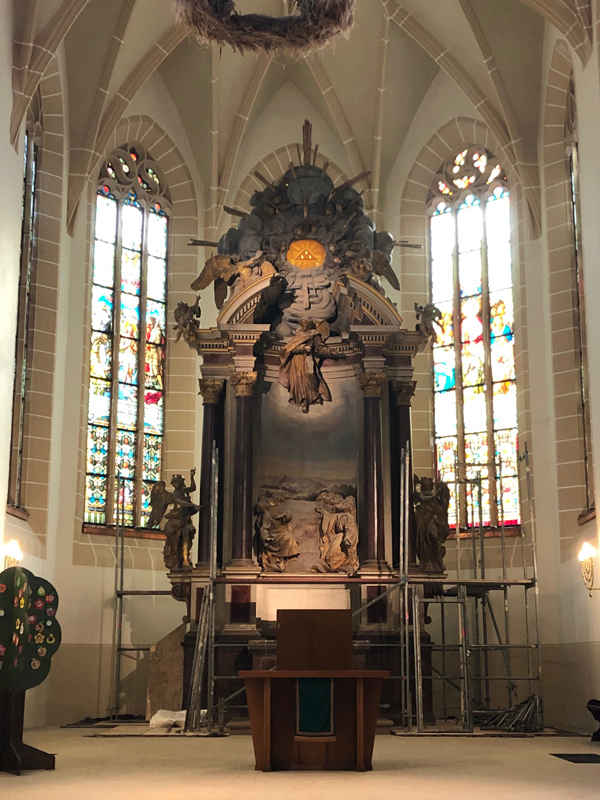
(432, 499)
(179, 529)
(224, 271)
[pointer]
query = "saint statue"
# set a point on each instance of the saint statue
(338, 534)
(432, 499)
(276, 543)
(300, 369)
(179, 528)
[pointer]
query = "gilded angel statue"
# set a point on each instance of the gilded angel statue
(224, 270)
(305, 384)
(179, 528)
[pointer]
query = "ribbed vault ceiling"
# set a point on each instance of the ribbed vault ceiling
(367, 87)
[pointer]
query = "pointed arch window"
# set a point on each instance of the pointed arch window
(475, 401)
(22, 341)
(127, 349)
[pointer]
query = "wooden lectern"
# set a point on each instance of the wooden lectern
(325, 722)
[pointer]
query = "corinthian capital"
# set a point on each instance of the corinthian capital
(243, 383)
(372, 383)
(403, 392)
(210, 389)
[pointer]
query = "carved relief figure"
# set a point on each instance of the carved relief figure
(300, 369)
(276, 543)
(338, 532)
(431, 519)
(179, 528)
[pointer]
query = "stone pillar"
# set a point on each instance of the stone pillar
(211, 390)
(374, 508)
(402, 393)
(242, 453)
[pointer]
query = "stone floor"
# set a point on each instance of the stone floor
(444, 768)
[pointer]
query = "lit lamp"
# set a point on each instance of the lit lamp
(586, 558)
(12, 554)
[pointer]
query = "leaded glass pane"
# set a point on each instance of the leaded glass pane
(130, 316)
(472, 360)
(153, 412)
(151, 465)
(155, 322)
(442, 249)
(104, 263)
(474, 409)
(125, 502)
(470, 225)
(505, 405)
(503, 359)
(157, 235)
(510, 500)
(506, 451)
(125, 454)
(102, 309)
(131, 227)
(444, 368)
(445, 413)
(502, 318)
(128, 361)
(146, 510)
(95, 499)
(100, 355)
(499, 266)
(472, 326)
(155, 357)
(106, 218)
(131, 271)
(97, 449)
(157, 272)
(127, 406)
(469, 273)
(445, 327)
(99, 401)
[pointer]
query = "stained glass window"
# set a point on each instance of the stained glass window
(22, 335)
(127, 349)
(475, 403)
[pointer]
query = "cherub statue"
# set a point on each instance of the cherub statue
(187, 318)
(432, 499)
(306, 387)
(276, 543)
(427, 315)
(224, 271)
(370, 265)
(179, 529)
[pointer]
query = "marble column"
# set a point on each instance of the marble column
(242, 453)
(374, 507)
(211, 390)
(402, 393)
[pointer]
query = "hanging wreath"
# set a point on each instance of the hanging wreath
(315, 24)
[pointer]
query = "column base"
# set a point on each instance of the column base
(243, 568)
(375, 569)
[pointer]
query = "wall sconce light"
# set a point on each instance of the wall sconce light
(12, 554)
(586, 558)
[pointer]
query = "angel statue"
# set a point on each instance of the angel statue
(432, 499)
(427, 316)
(186, 317)
(224, 271)
(306, 387)
(179, 529)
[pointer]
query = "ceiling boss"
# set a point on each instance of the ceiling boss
(316, 22)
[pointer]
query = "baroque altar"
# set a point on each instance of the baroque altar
(306, 380)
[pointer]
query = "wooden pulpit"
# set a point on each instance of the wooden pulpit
(314, 711)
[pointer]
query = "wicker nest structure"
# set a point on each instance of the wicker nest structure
(315, 24)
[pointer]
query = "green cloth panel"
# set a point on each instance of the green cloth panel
(314, 707)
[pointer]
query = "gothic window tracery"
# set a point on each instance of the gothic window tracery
(128, 339)
(475, 400)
